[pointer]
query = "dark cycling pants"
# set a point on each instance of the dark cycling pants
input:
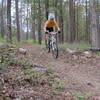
(50, 29)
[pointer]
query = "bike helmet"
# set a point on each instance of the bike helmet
(51, 16)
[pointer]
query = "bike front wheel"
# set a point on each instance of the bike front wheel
(55, 50)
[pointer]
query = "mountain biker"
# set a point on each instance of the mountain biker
(49, 26)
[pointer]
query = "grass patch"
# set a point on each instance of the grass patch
(30, 41)
(50, 69)
(50, 82)
(36, 43)
(97, 52)
(29, 74)
(2, 40)
(43, 45)
(60, 85)
(16, 43)
(74, 46)
(81, 96)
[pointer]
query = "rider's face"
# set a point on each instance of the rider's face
(52, 19)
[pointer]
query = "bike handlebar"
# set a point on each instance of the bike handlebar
(53, 33)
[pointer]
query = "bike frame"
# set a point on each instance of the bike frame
(52, 37)
(52, 40)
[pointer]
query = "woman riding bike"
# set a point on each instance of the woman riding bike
(49, 26)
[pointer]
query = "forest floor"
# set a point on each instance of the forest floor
(38, 76)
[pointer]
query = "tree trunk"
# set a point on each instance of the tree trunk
(33, 20)
(17, 21)
(56, 3)
(98, 15)
(27, 34)
(87, 22)
(98, 21)
(21, 19)
(9, 32)
(95, 37)
(39, 23)
(47, 8)
(77, 24)
(72, 21)
(2, 21)
(61, 36)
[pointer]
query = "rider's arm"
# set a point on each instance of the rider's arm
(57, 26)
(45, 27)
(46, 23)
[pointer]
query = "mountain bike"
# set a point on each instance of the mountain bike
(51, 44)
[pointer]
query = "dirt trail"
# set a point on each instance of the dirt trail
(79, 73)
